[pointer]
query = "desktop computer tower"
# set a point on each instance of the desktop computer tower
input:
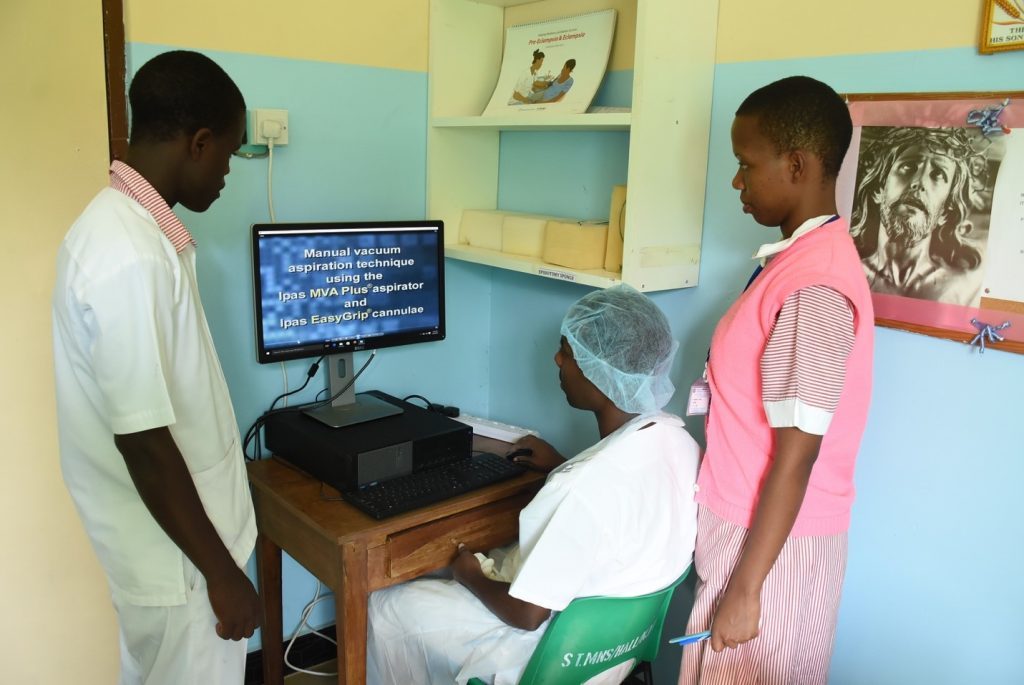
(349, 457)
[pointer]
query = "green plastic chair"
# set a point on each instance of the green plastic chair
(593, 634)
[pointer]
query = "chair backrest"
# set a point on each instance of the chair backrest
(594, 634)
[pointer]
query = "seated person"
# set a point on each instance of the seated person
(556, 89)
(618, 519)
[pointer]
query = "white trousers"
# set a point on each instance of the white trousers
(435, 632)
(178, 645)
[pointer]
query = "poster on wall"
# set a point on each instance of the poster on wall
(553, 66)
(934, 188)
(1002, 26)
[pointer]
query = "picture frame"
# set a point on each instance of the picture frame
(933, 185)
(1002, 26)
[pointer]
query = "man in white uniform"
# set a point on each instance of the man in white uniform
(149, 444)
(619, 519)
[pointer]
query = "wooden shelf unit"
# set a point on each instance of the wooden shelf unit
(533, 121)
(669, 122)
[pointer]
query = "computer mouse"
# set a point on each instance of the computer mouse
(521, 452)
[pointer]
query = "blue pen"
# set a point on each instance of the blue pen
(690, 639)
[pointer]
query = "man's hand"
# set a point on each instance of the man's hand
(544, 457)
(236, 606)
(465, 566)
(166, 487)
(736, 620)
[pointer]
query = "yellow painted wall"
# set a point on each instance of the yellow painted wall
(785, 29)
(384, 33)
(56, 622)
(391, 33)
(380, 33)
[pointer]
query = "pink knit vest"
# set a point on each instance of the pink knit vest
(740, 441)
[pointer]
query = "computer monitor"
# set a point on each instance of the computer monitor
(334, 288)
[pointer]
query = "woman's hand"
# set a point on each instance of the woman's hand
(465, 565)
(542, 457)
(736, 620)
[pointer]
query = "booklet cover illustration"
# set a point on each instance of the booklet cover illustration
(553, 66)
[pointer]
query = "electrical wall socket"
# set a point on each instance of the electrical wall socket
(264, 121)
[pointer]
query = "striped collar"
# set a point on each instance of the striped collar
(127, 180)
(806, 227)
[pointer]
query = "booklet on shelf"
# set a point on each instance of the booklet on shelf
(553, 66)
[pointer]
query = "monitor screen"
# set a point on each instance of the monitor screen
(331, 288)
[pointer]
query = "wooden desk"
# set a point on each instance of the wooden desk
(354, 554)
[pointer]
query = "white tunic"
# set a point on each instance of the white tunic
(132, 352)
(619, 519)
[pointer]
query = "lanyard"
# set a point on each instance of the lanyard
(757, 270)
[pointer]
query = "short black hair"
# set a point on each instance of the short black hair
(801, 113)
(181, 92)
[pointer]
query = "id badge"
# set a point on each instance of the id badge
(700, 398)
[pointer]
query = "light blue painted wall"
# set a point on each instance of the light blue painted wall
(935, 543)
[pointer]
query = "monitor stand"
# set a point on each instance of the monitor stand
(348, 409)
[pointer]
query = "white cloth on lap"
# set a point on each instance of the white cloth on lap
(436, 631)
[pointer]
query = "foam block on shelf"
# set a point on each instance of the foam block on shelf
(575, 244)
(481, 228)
(523, 234)
(616, 230)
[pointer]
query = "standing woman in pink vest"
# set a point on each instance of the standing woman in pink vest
(789, 374)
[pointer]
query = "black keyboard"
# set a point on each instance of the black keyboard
(404, 493)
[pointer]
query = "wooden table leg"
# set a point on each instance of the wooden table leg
(268, 563)
(350, 615)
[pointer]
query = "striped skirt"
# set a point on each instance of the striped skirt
(799, 605)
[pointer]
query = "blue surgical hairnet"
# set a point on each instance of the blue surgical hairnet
(622, 343)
